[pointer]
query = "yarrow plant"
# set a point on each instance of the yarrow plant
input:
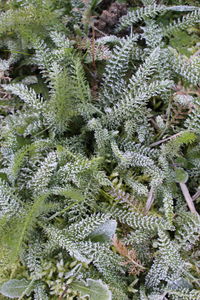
(99, 170)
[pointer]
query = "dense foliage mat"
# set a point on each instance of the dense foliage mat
(100, 150)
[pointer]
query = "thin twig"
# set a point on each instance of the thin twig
(196, 195)
(95, 28)
(150, 200)
(188, 198)
(165, 140)
(163, 296)
(196, 53)
(93, 50)
(154, 124)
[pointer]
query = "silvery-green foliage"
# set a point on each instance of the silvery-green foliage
(140, 241)
(15, 54)
(186, 294)
(192, 123)
(184, 100)
(28, 80)
(168, 204)
(137, 187)
(139, 221)
(39, 293)
(88, 226)
(189, 69)
(148, 2)
(26, 94)
(116, 69)
(32, 258)
(128, 103)
(167, 264)
(143, 295)
(183, 23)
(108, 39)
(83, 248)
(145, 71)
(60, 40)
(9, 202)
(189, 232)
(149, 11)
(43, 55)
(78, 167)
(42, 177)
(153, 34)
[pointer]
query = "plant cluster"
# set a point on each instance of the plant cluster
(100, 151)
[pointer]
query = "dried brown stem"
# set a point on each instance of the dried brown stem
(150, 200)
(196, 53)
(165, 140)
(188, 198)
(135, 266)
(196, 195)
(163, 296)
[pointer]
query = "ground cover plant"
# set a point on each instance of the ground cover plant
(100, 150)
